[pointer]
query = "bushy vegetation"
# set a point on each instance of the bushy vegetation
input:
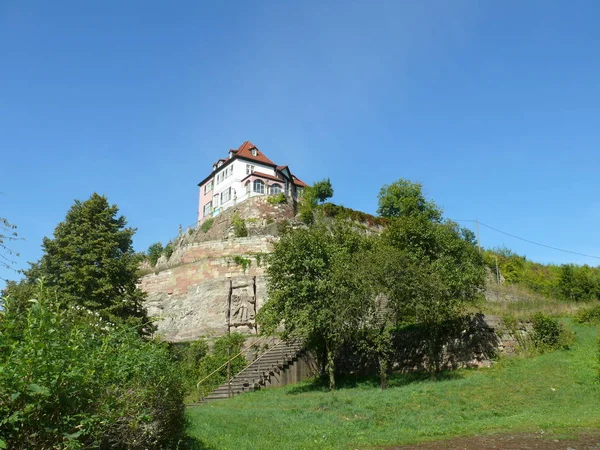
(70, 380)
(549, 333)
(341, 212)
(567, 282)
(239, 226)
(207, 225)
(326, 281)
(277, 199)
(589, 315)
(154, 252)
(211, 370)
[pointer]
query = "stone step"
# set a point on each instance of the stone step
(273, 361)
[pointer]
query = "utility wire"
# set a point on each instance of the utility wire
(531, 242)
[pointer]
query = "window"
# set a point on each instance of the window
(225, 196)
(254, 152)
(275, 189)
(247, 187)
(207, 209)
(259, 187)
(216, 200)
(249, 169)
(208, 186)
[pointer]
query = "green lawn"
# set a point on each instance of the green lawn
(557, 392)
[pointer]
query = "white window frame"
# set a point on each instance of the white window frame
(248, 187)
(275, 186)
(258, 183)
(208, 187)
(207, 209)
(225, 195)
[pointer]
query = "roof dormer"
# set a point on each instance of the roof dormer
(254, 151)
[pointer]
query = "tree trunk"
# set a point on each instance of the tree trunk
(330, 367)
(382, 372)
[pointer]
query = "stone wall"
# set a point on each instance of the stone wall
(188, 293)
(191, 299)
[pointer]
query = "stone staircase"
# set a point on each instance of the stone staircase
(272, 368)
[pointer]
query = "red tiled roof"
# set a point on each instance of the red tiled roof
(299, 182)
(263, 175)
(244, 152)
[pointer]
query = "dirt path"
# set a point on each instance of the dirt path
(583, 441)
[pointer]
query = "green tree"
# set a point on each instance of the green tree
(314, 290)
(405, 198)
(323, 190)
(436, 274)
(91, 262)
(154, 252)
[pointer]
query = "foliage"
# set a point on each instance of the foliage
(91, 262)
(69, 379)
(207, 224)
(579, 283)
(8, 233)
(306, 205)
(277, 199)
(241, 261)
(239, 226)
(168, 250)
(154, 252)
(341, 212)
(405, 198)
(556, 392)
(548, 333)
(188, 356)
(589, 315)
(313, 288)
(323, 190)
(224, 348)
(567, 282)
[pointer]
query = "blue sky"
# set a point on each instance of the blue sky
(492, 106)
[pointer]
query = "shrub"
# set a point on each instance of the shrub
(154, 252)
(239, 226)
(168, 250)
(588, 315)
(207, 225)
(68, 379)
(277, 199)
(217, 358)
(241, 261)
(548, 333)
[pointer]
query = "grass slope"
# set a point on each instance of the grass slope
(557, 392)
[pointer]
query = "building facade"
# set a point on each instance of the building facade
(245, 173)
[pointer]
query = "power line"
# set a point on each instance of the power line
(531, 242)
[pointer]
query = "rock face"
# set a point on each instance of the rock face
(189, 294)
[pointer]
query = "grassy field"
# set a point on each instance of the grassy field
(556, 392)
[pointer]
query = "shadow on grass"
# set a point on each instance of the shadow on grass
(370, 382)
(192, 443)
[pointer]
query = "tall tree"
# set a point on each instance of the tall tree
(313, 288)
(91, 261)
(406, 198)
(323, 190)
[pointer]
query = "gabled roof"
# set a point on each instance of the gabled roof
(299, 182)
(245, 151)
(262, 175)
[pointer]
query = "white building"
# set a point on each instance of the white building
(245, 173)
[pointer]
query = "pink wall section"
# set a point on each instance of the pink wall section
(204, 199)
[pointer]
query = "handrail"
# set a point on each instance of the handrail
(231, 359)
